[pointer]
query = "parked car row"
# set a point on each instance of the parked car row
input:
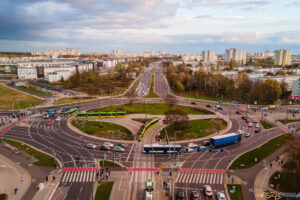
(107, 146)
(195, 195)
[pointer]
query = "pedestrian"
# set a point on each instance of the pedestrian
(164, 183)
(16, 190)
(47, 178)
(106, 177)
(53, 178)
(106, 169)
(22, 179)
(102, 177)
(97, 175)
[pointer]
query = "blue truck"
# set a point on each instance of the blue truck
(49, 113)
(226, 139)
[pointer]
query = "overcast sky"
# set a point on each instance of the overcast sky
(138, 25)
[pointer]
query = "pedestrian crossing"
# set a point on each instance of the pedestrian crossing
(78, 176)
(209, 178)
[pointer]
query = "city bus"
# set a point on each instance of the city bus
(149, 190)
(146, 127)
(161, 149)
(101, 114)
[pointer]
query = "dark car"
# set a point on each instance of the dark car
(257, 130)
(121, 145)
(104, 148)
(238, 112)
(195, 195)
(181, 195)
(194, 103)
(208, 106)
(206, 143)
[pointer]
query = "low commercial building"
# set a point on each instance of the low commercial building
(58, 75)
(295, 91)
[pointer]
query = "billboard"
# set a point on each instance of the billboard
(40, 72)
(8, 71)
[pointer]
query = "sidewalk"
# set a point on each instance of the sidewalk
(13, 176)
(261, 183)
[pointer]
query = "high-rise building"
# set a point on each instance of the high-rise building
(237, 55)
(208, 57)
(117, 52)
(282, 57)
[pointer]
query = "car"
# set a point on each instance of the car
(238, 112)
(181, 195)
(221, 196)
(188, 150)
(91, 146)
(247, 135)
(206, 143)
(256, 125)
(195, 195)
(207, 190)
(249, 124)
(248, 121)
(220, 108)
(49, 122)
(108, 144)
(208, 106)
(104, 148)
(194, 103)
(121, 145)
(58, 118)
(192, 145)
(119, 149)
(240, 132)
(257, 130)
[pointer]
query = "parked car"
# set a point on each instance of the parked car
(194, 103)
(221, 196)
(195, 195)
(181, 195)
(104, 148)
(208, 106)
(238, 112)
(248, 121)
(256, 125)
(58, 118)
(91, 146)
(121, 145)
(207, 190)
(247, 135)
(206, 143)
(192, 145)
(49, 122)
(108, 144)
(249, 124)
(257, 130)
(119, 149)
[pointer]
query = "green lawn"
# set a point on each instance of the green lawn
(9, 96)
(197, 128)
(151, 93)
(153, 109)
(36, 91)
(132, 90)
(142, 120)
(286, 121)
(266, 125)
(287, 182)
(199, 96)
(73, 99)
(108, 164)
(104, 190)
(238, 194)
(44, 160)
(103, 129)
(248, 159)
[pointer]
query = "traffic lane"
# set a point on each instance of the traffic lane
(199, 188)
(79, 191)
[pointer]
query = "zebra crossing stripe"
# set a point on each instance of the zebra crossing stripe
(84, 175)
(191, 178)
(204, 178)
(214, 179)
(177, 178)
(181, 176)
(211, 177)
(221, 179)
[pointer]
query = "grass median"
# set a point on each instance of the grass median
(196, 129)
(238, 194)
(247, 160)
(73, 100)
(153, 109)
(108, 164)
(151, 93)
(104, 190)
(44, 160)
(35, 91)
(9, 97)
(286, 121)
(103, 129)
(266, 125)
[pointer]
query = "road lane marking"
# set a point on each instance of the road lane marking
(201, 176)
(83, 178)
(221, 179)
(214, 178)
(204, 178)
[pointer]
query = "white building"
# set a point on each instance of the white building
(295, 90)
(208, 57)
(237, 55)
(58, 75)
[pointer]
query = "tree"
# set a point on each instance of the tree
(280, 72)
(231, 64)
(62, 79)
(272, 90)
(178, 118)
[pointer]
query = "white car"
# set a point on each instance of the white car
(241, 132)
(221, 196)
(257, 126)
(192, 145)
(119, 149)
(108, 144)
(58, 118)
(207, 190)
(249, 124)
(188, 150)
(91, 146)
(247, 135)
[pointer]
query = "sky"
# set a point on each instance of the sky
(184, 26)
